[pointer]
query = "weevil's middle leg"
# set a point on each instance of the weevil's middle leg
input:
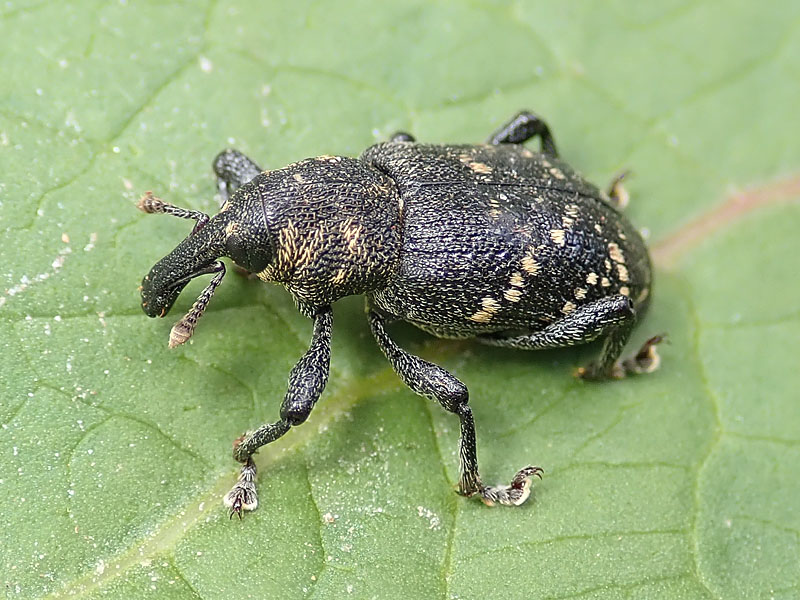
(432, 381)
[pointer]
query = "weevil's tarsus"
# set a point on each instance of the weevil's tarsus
(243, 496)
(516, 493)
(617, 193)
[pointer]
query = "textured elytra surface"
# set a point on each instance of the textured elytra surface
(115, 451)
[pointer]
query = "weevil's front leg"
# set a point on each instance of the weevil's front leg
(233, 170)
(306, 382)
(523, 127)
(432, 381)
(612, 317)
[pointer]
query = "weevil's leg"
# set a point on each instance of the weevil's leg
(151, 204)
(522, 128)
(432, 381)
(233, 170)
(612, 317)
(617, 193)
(183, 329)
(402, 136)
(306, 382)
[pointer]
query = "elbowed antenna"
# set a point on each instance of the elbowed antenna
(197, 255)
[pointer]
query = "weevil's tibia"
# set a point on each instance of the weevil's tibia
(152, 204)
(243, 495)
(183, 329)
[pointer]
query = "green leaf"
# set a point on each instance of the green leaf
(115, 451)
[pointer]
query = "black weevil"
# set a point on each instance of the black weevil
(490, 241)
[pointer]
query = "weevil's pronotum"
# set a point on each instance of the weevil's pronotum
(491, 241)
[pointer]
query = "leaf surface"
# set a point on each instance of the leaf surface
(115, 451)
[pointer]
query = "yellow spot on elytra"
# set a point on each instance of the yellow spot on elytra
(512, 295)
(624, 290)
(546, 163)
(622, 236)
(570, 214)
(526, 153)
(555, 172)
(529, 264)
(479, 167)
(557, 235)
(580, 293)
(605, 282)
(607, 264)
(615, 253)
(298, 178)
(494, 203)
(623, 272)
(591, 278)
(516, 279)
(597, 228)
(490, 306)
(643, 296)
(568, 308)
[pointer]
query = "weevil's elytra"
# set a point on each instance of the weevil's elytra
(490, 241)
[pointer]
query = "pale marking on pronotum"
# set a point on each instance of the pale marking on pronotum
(557, 235)
(615, 253)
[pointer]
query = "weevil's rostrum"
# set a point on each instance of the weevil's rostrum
(492, 241)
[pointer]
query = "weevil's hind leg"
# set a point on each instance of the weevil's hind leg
(306, 383)
(402, 136)
(612, 317)
(432, 381)
(233, 170)
(523, 127)
(617, 193)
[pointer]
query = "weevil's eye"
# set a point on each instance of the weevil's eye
(250, 252)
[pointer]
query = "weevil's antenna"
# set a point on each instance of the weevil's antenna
(183, 329)
(152, 204)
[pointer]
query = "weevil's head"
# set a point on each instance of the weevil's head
(238, 231)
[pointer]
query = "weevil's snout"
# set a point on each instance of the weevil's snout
(157, 300)
(193, 257)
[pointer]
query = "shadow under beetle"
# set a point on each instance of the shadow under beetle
(490, 241)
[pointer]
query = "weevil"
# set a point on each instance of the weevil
(492, 241)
